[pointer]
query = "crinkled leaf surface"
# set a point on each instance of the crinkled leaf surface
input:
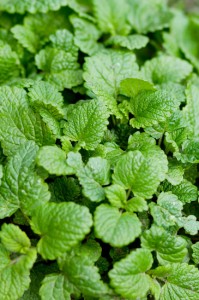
(116, 228)
(128, 276)
(61, 227)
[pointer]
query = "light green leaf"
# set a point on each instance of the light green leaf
(175, 172)
(14, 239)
(168, 210)
(131, 42)
(116, 195)
(150, 108)
(147, 16)
(82, 275)
(162, 69)
(195, 254)
(53, 159)
(100, 169)
(128, 276)
(19, 123)
(104, 79)
(60, 67)
(91, 249)
(108, 13)
(182, 281)
(63, 39)
(191, 110)
(130, 87)
(55, 287)
(86, 35)
(116, 228)
(140, 141)
(86, 123)
(9, 63)
(26, 37)
(15, 274)
(22, 6)
(141, 171)
(169, 248)
(61, 227)
(189, 152)
(21, 187)
(137, 204)
(191, 225)
(44, 96)
(185, 191)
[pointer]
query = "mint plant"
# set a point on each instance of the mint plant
(99, 150)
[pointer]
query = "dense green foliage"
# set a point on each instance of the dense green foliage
(99, 132)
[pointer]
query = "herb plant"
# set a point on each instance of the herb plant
(99, 132)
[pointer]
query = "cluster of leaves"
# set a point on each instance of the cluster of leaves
(99, 132)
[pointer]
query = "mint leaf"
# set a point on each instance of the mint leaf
(138, 171)
(104, 79)
(116, 195)
(27, 5)
(150, 108)
(108, 14)
(9, 62)
(53, 159)
(162, 69)
(181, 281)
(130, 87)
(195, 254)
(168, 210)
(168, 247)
(15, 274)
(191, 109)
(63, 224)
(136, 204)
(14, 239)
(109, 223)
(185, 191)
(21, 187)
(131, 42)
(128, 276)
(19, 123)
(87, 123)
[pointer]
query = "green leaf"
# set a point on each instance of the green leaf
(131, 42)
(147, 16)
(104, 79)
(9, 63)
(140, 141)
(61, 227)
(14, 239)
(137, 204)
(182, 281)
(108, 13)
(169, 248)
(86, 123)
(22, 6)
(130, 87)
(195, 254)
(55, 287)
(168, 210)
(21, 187)
(116, 228)
(162, 69)
(191, 110)
(191, 225)
(83, 275)
(175, 172)
(19, 123)
(116, 195)
(53, 159)
(26, 37)
(185, 191)
(59, 67)
(189, 152)
(139, 171)
(44, 96)
(150, 108)
(128, 276)
(86, 35)
(15, 274)
(91, 249)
